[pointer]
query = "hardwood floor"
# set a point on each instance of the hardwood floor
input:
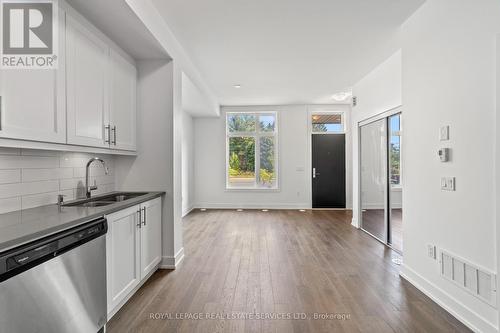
(281, 262)
(374, 223)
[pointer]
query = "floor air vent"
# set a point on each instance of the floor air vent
(479, 282)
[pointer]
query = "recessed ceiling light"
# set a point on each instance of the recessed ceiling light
(237, 86)
(342, 96)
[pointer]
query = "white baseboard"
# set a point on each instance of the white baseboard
(467, 316)
(266, 205)
(368, 205)
(172, 262)
(354, 223)
(187, 210)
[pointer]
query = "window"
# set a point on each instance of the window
(327, 122)
(251, 140)
(395, 150)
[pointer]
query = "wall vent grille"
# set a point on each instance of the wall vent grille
(477, 281)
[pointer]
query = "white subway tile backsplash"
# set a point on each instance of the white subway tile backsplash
(33, 175)
(67, 184)
(31, 178)
(36, 152)
(10, 151)
(20, 189)
(9, 205)
(9, 176)
(33, 162)
(30, 201)
(95, 170)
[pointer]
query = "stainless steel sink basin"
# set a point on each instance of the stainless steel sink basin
(117, 197)
(104, 200)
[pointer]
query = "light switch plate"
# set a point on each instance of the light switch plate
(444, 133)
(448, 183)
(431, 251)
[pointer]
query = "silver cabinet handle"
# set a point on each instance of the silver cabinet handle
(140, 217)
(144, 216)
(107, 134)
(114, 136)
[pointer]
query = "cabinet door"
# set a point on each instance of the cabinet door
(122, 255)
(122, 102)
(32, 105)
(150, 236)
(88, 112)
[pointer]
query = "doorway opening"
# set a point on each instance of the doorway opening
(381, 185)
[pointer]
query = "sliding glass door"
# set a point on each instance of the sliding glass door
(374, 179)
(380, 180)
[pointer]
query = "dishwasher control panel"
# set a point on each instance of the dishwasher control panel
(17, 260)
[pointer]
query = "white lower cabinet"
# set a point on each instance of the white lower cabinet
(150, 236)
(133, 250)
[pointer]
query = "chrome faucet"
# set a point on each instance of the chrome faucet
(89, 189)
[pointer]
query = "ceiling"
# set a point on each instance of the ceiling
(119, 22)
(285, 51)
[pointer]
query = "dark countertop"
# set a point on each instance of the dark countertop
(22, 226)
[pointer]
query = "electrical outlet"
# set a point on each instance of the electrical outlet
(431, 251)
(448, 183)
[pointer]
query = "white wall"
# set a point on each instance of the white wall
(32, 178)
(449, 79)
(377, 92)
(153, 168)
(188, 163)
(294, 162)
(154, 22)
(497, 162)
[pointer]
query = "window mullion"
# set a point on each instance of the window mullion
(257, 161)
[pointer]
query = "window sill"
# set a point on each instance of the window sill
(252, 189)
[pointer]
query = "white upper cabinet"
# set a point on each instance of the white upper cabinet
(33, 101)
(123, 116)
(90, 100)
(87, 70)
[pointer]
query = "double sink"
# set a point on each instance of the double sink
(104, 200)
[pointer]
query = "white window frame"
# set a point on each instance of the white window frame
(323, 113)
(256, 135)
(397, 187)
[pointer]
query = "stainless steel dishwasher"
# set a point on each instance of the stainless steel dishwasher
(57, 283)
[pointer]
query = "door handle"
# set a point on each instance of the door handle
(140, 218)
(315, 173)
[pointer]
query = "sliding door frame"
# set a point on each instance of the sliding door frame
(387, 209)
